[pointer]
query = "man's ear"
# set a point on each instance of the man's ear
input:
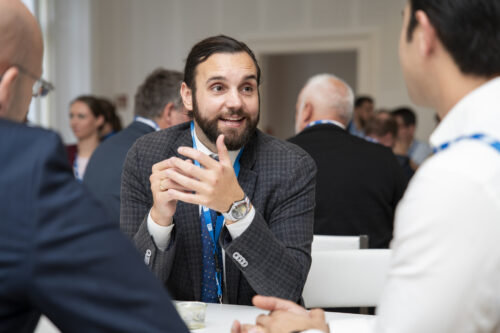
(7, 87)
(187, 96)
(427, 36)
(307, 113)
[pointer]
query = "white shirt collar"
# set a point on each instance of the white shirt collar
(477, 112)
(201, 147)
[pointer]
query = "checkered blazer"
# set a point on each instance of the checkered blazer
(272, 257)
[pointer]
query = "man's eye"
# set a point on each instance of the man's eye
(248, 89)
(217, 87)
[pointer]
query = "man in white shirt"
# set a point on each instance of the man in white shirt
(445, 270)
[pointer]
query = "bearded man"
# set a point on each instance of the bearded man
(219, 210)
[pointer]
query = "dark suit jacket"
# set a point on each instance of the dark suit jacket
(358, 186)
(277, 176)
(104, 171)
(60, 256)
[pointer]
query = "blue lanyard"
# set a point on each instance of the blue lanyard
(324, 121)
(495, 144)
(214, 234)
(147, 121)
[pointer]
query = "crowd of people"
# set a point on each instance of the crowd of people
(192, 200)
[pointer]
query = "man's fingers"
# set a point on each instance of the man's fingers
(275, 304)
(222, 150)
(169, 184)
(318, 314)
(162, 165)
(204, 160)
(186, 181)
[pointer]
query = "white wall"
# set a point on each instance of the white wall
(129, 38)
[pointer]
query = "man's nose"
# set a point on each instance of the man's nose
(233, 100)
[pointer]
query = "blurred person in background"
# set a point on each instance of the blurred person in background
(406, 143)
(86, 119)
(364, 107)
(158, 105)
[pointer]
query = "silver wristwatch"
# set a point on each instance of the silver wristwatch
(239, 209)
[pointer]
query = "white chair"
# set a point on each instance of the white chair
(326, 243)
(346, 278)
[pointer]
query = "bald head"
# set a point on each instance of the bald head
(21, 46)
(324, 96)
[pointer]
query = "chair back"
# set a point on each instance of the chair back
(346, 278)
(327, 243)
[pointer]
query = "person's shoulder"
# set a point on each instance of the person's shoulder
(22, 135)
(163, 137)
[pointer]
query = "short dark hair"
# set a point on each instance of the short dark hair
(468, 29)
(381, 126)
(161, 87)
(406, 114)
(205, 48)
(362, 99)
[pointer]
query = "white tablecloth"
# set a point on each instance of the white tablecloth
(220, 317)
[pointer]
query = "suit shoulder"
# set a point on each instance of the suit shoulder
(282, 150)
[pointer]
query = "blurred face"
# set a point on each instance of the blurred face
(83, 122)
(226, 99)
(404, 132)
(365, 112)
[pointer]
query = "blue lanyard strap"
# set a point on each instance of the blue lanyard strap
(492, 142)
(214, 229)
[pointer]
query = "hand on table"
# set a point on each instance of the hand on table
(285, 316)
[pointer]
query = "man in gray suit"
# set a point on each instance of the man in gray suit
(227, 227)
(158, 105)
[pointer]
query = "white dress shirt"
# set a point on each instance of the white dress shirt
(445, 269)
(161, 234)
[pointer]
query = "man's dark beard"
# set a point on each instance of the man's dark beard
(231, 140)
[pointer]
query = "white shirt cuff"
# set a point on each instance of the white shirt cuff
(237, 228)
(160, 234)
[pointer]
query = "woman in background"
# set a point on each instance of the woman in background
(86, 119)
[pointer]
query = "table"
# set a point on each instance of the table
(219, 317)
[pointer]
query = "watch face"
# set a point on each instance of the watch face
(239, 211)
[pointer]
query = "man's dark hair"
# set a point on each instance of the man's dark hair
(406, 114)
(205, 48)
(468, 29)
(362, 99)
(161, 87)
(380, 125)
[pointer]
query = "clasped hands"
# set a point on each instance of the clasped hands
(214, 185)
(285, 316)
